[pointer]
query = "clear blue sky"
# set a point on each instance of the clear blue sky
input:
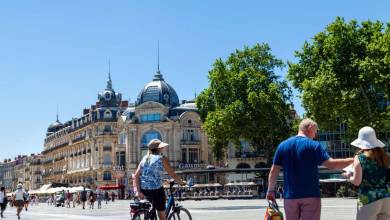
(56, 52)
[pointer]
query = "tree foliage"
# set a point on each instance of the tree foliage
(246, 100)
(344, 74)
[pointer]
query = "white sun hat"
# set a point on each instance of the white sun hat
(367, 139)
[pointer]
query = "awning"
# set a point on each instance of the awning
(241, 184)
(111, 187)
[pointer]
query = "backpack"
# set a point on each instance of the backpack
(272, 212)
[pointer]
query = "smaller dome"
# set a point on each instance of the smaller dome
(55, 126)
(108, 97)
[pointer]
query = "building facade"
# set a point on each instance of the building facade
(158, 113)
(8, 170)
(82, 151)
(34, 171)
(1, 174)
(243, 157)
(338, 145)
(105, 145)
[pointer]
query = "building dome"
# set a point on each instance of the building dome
(158, 91)
(108, 97)
(54, 127)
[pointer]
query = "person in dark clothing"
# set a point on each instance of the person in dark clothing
(106, 197)
(112, 196)
(83, 197)
(3, 200)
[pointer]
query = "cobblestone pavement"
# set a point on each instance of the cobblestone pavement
(332, 209)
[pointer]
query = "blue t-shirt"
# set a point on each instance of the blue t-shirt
(300, 157)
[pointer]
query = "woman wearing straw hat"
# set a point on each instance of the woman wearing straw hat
(148, 176)
(369, 174)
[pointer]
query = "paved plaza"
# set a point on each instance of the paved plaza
(332, 208)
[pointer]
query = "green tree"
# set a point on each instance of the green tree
(343, 75)
(246, 100)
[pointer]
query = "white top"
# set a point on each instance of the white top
(2, 195)
(19, 194)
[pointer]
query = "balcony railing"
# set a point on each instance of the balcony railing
(36, 163)
(80, 138)
(58, 172)
(107, 165)
(249, 154)
(105, 132)
(58, 159)
(47, 161)
(119, 167)
(107, 148)
(37, 172)
(190, 142)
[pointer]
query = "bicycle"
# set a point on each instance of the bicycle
(143, 210)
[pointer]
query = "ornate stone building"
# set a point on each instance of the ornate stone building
(158, 113)
(83, 150)
(103, 147)
(34, 171)
(8, 174)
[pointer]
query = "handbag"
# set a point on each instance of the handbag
(272, 212)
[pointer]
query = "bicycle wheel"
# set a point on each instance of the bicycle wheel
(180, 214)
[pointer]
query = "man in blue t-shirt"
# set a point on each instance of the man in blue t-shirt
(300, 156)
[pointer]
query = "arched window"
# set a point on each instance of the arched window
(107, 175)
(149, 136)
(107, 114)
(243, 166)
(146, 138)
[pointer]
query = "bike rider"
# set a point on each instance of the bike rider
(148, 177)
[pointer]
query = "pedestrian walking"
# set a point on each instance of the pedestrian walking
(112, 196)
(26, 200)
(36, 200)
(3, 201)
(91, 199)
(106, 197)
(19, 199)
(69, 198)
(83, 197)
(300, 156)
(99, 198)
(369, 174)
(280, 191)
(75, 198)
(52, 199)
